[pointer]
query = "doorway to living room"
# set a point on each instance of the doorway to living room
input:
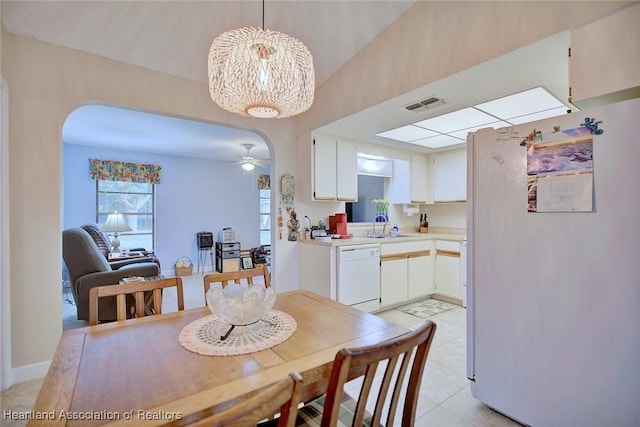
(202, 184)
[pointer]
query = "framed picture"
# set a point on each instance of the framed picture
(247, 263)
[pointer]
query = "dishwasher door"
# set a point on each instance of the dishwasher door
(358, 283)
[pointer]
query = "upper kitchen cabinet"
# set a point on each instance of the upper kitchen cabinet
(347, 171)
(325, 168)
(450, 176)
(332, 169)
(409, 181)
(418, 184)
(604, 61)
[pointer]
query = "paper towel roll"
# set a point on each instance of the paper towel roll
(410, 210)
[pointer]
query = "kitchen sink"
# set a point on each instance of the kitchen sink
(387, 236)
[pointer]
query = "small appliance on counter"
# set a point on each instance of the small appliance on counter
(318, 233)
(338, 225)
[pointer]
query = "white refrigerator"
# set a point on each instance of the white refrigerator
(553, 294)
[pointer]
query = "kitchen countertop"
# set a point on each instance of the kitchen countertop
(359, 237)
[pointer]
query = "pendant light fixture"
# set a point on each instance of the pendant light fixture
(262, 73)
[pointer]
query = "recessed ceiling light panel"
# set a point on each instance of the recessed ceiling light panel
(439, 141)
(522, 103)
(407, 133)
(457, 120)
(462, 134)
(554, 112)
(452, 128)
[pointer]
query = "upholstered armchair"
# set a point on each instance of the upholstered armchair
(104, 244)
(88, 268)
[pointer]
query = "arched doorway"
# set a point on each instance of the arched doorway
(203, 186)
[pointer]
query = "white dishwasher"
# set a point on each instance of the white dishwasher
(358, 283)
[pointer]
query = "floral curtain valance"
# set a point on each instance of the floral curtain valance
(264, 182)
(112, 170)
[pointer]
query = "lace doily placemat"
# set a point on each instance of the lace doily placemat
(203, 335)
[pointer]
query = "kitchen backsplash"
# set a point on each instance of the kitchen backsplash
(449, 215)
(452, 215)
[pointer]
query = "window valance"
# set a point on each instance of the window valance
(112, 170)
(264, 182)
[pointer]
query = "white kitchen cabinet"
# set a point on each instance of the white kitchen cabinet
(420, 280)
(418, 181)
(347, 171)
(409, 183)
(325, 168)
(450, 176)
(447, 269)
(603, 68)
(334, 174)
(399, 191)
(406, 271)
(317, 269)
(393, 279)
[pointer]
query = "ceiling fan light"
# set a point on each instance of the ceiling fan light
(248, 166)
(260, 73)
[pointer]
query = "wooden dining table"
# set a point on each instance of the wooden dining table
(135, 372)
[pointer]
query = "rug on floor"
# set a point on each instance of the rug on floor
(427, 308)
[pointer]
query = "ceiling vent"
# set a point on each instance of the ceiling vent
(425, 104)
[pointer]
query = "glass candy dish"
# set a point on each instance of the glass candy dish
(240, 304)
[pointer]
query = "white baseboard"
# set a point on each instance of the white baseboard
(28, 372)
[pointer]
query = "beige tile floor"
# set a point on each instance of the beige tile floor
(445, 399)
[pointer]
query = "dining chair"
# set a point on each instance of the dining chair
(336, 408)
(259, 271)
(249, 409)
(144, 292)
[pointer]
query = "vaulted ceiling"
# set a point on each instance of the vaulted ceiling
(173, 37)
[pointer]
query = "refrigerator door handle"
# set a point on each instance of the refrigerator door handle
(469, 282)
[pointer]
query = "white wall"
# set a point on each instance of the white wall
(193, 195)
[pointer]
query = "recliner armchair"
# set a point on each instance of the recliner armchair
(104, 244)
(88, 268)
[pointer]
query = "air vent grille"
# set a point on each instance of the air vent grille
(425, 104)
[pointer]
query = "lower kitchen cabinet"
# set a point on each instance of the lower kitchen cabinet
(420, 274)
(406, 272)
(393, 279)
(447, 269)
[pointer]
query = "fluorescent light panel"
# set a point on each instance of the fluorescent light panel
(407, 133)
(554, 112)
(520, 104)
(452, 128)
(457, 120)
(463, 133)
(439, 141)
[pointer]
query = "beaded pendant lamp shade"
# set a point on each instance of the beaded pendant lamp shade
(261, 73)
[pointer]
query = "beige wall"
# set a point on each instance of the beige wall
(435, 39)
(46, 82)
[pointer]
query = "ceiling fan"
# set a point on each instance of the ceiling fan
(248, 162)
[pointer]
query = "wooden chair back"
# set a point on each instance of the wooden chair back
(354, 362)
(249, 409)
(138, 291)
(260, 270)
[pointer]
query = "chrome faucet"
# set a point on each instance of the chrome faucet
(384, 226)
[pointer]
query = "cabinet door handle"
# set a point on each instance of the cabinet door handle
(418, 254)
(445, 252)
(393, 257)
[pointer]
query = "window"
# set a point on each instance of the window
(265, 216)
(136, 201)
